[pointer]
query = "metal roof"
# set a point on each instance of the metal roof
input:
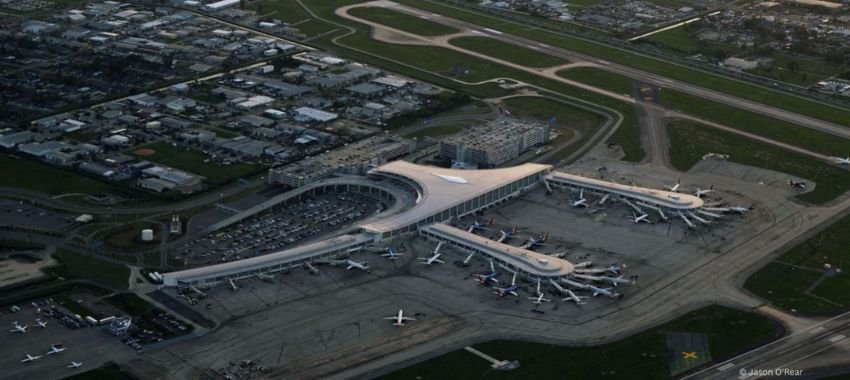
(680, 201)
(441, 189)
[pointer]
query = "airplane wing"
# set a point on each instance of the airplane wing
(440, 261)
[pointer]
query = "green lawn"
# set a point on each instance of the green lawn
(402, 21)
(128, 236)
(605, 80)
(756, 123)
(827, 247)
(192, 160)
(285, 10)
(507, 52)
(439, 130)
(797, 70)
(12, 245)
(94, 269)
(681, 41)
(27, 174)
(640, 356)
(673, 71)
(689, 142)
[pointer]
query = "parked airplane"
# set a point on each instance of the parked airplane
(506, 235)
(581, 201)
(55, 349)
(637, 219)
(476, 226)
(501, 292)
(532, 242)
(617, 280)
(575, 284)
(700, 193)
(841, 161)
(539, 299)
(435, 258)
(739, 210)
(362, 265)
(574, 298)
(400, 318)
(265, 277)
(797, 184)
(30, 358)
(491, 277)
(674, 188)
(74, 365)
(605, 292)
(616, 268)
(41, 323)
(18, 328)
(391, 255)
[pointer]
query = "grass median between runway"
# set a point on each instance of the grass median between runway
(645, 355)
(507, 52)
(402, 21)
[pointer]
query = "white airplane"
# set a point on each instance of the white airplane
(539, 299)
(674, 188)
(55, 349)
(581, 201)
(575, 284)
(18, 328)
(616, 268)
(637, 219)
(475, 226)
(797, 184)
(617, 280)
(700, 193)
(400, 318)
(391, 255)
(574, 298)
(435, 256)
(30, 358)
(362, 265)
(605, 292)
(532, 242)
(739, 210)
(74, 365)
(41, 323)
(841, 161)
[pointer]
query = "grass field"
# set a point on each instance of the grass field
(673, 71)
(806, 71)
(128, 236)
(27, 174)
(641, 356)
(689, 142)
(192, 160)
(755, 123)
(507, 52)
(680, 41)
(94, 269)
(440, 130)
(11, 245)
(784, 282)
(600, 78)
(402, 21)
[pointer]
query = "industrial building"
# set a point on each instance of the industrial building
(355, 158)
(494, 143)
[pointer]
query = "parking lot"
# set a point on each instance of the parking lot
(284, 226)
(23, 215)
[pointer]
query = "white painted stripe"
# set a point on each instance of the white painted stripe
(836, 338)
(534, 47)
(544, 45)
(492, 31)
(725, 366)
(477, 32)
(817, 330)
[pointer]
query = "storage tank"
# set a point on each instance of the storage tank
(147, 235)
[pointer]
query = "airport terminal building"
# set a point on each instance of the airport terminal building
(442, 195)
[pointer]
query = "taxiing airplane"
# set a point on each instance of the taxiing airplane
(739, 210)
(391, 255)
(581, 201)
(18, 328)
(797, 184)
(362, 265)
(615, 268)
(532, 242)
(605, 292)
(41, 323)
(701, 193)
(476, 226)
(400, 318)
(55, 349)
(841, 161)
(30, 358)
(674, 188)
(74, 365)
